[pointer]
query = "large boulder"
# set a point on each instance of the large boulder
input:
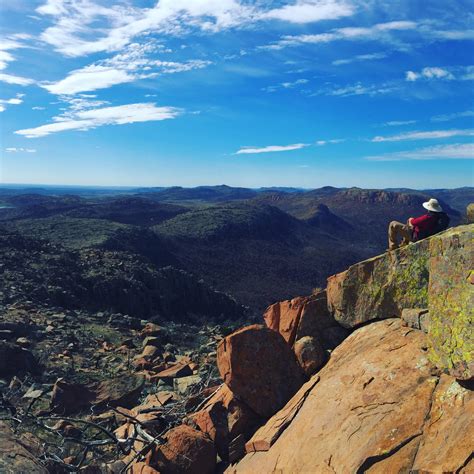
(383, 286)
(260, 368)
(451, 302)
(379, 405)
(186, 451)
(70, 397)
(305, 316)
(226, 419)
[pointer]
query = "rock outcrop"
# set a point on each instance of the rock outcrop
(260, 368)
(451, 301)
(379, 405)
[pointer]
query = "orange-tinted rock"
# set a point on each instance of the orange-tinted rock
(150, 352)
(376, 405)
(68, 398)
(260, 368)
(448, 435)
(175, 371)
(304, 316)
(151, 329)
(310, 354)
(224, 418)
(186, 451)
(284, 317)
(142, 468)
(263, 439)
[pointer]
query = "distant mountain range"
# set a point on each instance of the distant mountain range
(257, 245)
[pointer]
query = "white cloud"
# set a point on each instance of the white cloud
(74, 33)
(357, 89)
(18, 80)
(463, 151)
(128, 66)
(270, 149)
(425, 135)
(309, 11)
(13, 101)
(92, 118)
(20, 150)
(397, 123)
(447, 117)
(380, 31)
(360, 57)
(38, 108)
(429, 73)
(286, 85)
(89, 78)
(330, 142)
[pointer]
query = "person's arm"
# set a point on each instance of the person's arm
(421, 221)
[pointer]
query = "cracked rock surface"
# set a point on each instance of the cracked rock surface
(378, 405)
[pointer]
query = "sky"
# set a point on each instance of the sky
(305, 93)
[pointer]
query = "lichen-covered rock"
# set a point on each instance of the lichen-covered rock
(416, 318)
(451, 301)
(260, 368)
(378, 406)
(470, 213)
(381, 287)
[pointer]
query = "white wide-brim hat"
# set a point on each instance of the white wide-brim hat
(433, 205)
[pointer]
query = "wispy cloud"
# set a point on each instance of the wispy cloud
(330, 142)
(286, 85)
(73, 35)
(270, 149)
(397, 123)
(17, 100)
(96, 117)
(20, 150)
(130, 65)
(360, 57)
(448, 117)
(379, 31)
(357, 89)
(434, 134)
(429, 73)
(443, 152)
(308, 11)
(18, 80)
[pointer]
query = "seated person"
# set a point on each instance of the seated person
(418, 228)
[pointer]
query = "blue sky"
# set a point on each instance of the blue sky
(253, 93)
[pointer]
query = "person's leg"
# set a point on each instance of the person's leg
(397, 231)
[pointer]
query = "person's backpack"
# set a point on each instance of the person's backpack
(443, 222)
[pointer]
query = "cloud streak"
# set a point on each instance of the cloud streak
(97, 117)
(434, 134)
(271, 149)
(442, 152)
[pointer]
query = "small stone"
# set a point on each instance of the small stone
(23, 342)
(182, 385)
(151, 341)
(310, 354)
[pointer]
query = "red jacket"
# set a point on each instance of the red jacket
(424, 225)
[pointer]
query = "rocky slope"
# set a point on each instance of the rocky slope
(373, 374)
